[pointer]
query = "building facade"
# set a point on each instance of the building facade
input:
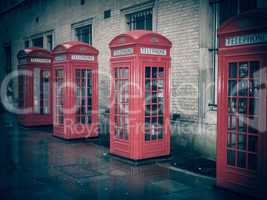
(190, 24)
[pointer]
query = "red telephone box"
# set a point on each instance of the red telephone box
(241, 129)
(75, 90)
(139, 110)
(35, 87)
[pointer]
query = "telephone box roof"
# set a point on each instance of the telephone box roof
(75, 47)
(34, 52)
(251, 20)
(140, 37)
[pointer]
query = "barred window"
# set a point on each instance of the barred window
(84, 34)
(141, 20)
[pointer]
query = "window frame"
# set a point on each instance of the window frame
(139, 8)
(132, 19)
(37, 38)
(44, 35)
(80, 25)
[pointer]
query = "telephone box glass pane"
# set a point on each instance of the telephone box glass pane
(232, 105)
(242, 141)
(243, 70)
(254, 71)
(154, 101)
(36, 90)
(243, 88)
(41, 91)
(232, 70)
(232, 88)
(45, 92)
(254, 87)
(241, 159)
(243, 112)
(121, 97)
(231, 140)
(22, 91)
(59, 96)
(83, 96)
(231, 158)
(252, 143)
(242, 105)
(252, 161)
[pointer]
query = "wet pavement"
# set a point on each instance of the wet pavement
(36, 165)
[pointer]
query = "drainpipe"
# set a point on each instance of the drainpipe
(214, 49)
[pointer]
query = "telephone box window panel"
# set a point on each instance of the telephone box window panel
(59, 96)
(22, 92)
(243, 110)
(41, 84)
(121, 93)
(35, 87)
(154, 81)
(75, 69)
(83, 96)
(139, 110)
(242, 105)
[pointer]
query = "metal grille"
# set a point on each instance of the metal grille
(141, 20)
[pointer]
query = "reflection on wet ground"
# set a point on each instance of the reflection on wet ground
(36, 165)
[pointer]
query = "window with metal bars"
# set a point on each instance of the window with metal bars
(141, 20)
(243, 114)
(83, 96)
(154, 84)
(41, 91)
(59, 96)
(84, 34)
(121, 95)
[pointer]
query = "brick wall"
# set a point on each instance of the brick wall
(178, 20)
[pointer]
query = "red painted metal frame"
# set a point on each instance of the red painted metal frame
(25, 63)
(62, 59)
(243, 180)
(135, 147)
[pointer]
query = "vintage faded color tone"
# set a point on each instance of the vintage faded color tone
(242, 113)
(35, 87)
(75, 90)
(139, 110)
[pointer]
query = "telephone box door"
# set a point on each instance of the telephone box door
(243, 136)
(120, 108)
(156, 106)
